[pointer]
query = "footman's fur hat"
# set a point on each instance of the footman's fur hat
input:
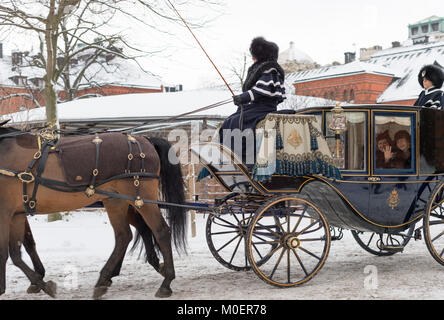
(264, 50)
(432, 72)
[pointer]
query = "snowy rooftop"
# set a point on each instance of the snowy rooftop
(351, 68)
(151, 106)
(117, 72)
(406, 63)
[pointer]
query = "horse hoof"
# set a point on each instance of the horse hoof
(50, 289)
(162, 269)
(33, 289)
(164, 293)
(99, 292)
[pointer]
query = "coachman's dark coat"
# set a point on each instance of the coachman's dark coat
(263, 90)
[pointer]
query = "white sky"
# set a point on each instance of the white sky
(324, 29)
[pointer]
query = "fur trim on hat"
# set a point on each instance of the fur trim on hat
(432, 72)
(264, 50)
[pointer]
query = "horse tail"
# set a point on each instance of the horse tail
(172, 191)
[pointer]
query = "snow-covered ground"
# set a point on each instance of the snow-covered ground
(75, 249)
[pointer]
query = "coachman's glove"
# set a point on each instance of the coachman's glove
(237, 100)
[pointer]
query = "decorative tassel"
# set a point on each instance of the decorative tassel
(203, 173)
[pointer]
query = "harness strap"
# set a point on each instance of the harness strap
(26, 177)
(91, 188)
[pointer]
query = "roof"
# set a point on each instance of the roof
(150, 107)
(293, 54)
(352, 68)
(406, 63)
(429, 19)
(117, 71)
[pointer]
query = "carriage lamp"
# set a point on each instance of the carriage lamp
(337, 124)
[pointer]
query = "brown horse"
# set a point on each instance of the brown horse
(15, 231)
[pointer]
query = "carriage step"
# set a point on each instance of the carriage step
(392, 248)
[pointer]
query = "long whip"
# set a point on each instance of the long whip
(197, 40)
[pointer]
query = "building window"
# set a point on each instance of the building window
(332, 95)
(326, 95)
(435, 26)
(345, 96)
(414, 31)
(425, 28)
(352, 96)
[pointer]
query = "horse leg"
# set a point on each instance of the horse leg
(154, 219)
(29, 244)
(117, 213)
(16, 238)
(145, 233)
(4, 241)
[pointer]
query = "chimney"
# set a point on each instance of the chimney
(1, 50)
(396, 44)
(349, 57)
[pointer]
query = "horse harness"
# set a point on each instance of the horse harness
(47, 143)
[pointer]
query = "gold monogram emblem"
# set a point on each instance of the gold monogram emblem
(294, 139)
(393, 199)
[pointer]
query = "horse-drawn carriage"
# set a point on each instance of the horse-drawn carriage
(317, 172)
(281, 223)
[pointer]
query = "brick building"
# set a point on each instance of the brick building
(387, 76)
(355, 82)
(21, 84)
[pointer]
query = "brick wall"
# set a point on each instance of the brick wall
(20, 99)
(15, 103)
(359, 88)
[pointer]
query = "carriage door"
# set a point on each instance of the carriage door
(394, 168)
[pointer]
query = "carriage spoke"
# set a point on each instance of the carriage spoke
(308, 227)
(371, 238)
(300, 261)
(438, 236)
(288, 266)
(268, 228)
(235, 249)
(226, 244)
(312, 239)
(299, 220)
(310, 253)
(277, 263)
(223, 232)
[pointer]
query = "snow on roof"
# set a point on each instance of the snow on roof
(351, 68)
(429, 19)
(293, 54)
(133, 106)
(118, 71)
(406, 63)
(152, 106)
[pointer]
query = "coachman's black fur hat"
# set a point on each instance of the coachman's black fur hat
(432, 72)
(264, 50)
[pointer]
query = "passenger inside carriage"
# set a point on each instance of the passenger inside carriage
(385, 152)
(403, 156)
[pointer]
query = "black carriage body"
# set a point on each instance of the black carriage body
(367, 197)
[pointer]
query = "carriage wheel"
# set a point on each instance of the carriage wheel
(226, 239)
(433, 224)
(288, 241)
(375, 243)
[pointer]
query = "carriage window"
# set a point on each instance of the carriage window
(353, 141)
(393, 141)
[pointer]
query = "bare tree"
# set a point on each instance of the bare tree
(67, 29)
